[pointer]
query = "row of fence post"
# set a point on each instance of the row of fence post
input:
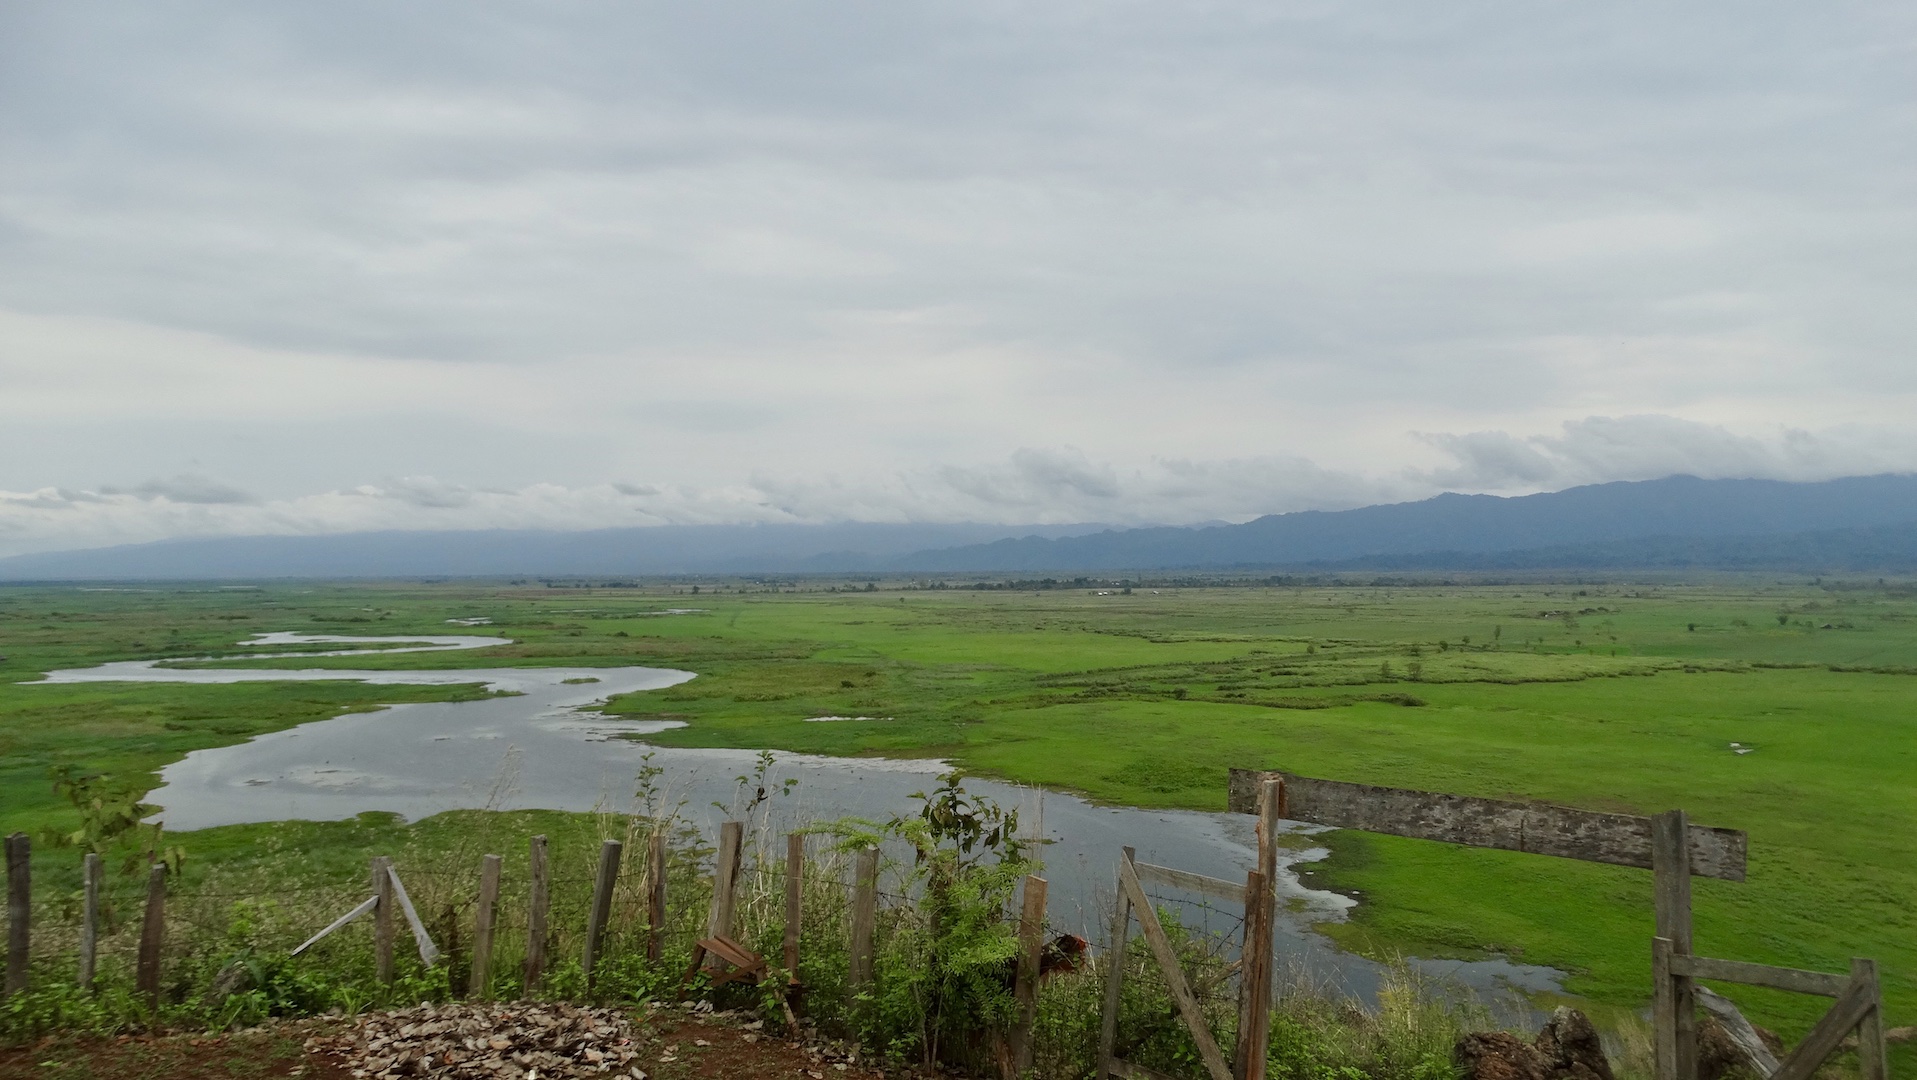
(19, 850)
(389, 902)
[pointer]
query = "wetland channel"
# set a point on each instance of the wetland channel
(539, 743)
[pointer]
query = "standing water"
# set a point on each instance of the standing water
(546, 747)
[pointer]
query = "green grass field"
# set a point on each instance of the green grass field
(1619, 697)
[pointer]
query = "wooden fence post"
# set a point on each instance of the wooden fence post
(656, 895)
(92, 874)
(1254, 1032)
(19, 910)
(152, 934)
(610, 853)
(1031, 940)
(1674, 1024)
(1261, 907)
(1872, 1060)
(484, 915)
(536, 915)
(865, 916)
(383, 919)
(794, 883)
(725, 879)
(1115, 973)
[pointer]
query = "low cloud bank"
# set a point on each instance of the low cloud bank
(1032, 486)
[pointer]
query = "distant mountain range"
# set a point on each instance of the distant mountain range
(1645, 523)
(1866, 523)
(669, 549)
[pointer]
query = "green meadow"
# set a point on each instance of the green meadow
(1613, 696)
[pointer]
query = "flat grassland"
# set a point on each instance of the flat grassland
(1626, 697)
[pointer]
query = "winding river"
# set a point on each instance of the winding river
(545, 746)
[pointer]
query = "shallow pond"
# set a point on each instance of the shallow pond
(546, 747)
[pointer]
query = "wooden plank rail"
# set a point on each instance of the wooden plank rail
(1537, 828)
(1185, 880)
(1777, 978)
(428, 952)
(365, 906)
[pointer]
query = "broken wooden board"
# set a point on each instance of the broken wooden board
(1536, 828)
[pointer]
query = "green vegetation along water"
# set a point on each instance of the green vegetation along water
(1611, 696)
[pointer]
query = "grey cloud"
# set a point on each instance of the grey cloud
(421, 492)
(189, 488)
(807, 262)
(1490, 459)
(1036, 477)
(54, 498)
(1598, 449)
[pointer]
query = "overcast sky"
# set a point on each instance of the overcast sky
(320, 267)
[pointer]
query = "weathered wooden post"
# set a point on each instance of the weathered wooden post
(383, 920)
(656, 895)
(152, 935)
(19, 910)
(1873, 1062)
(1115, 973)
(92, 874)
(794, 882)
(610, 853)
(725, 879)
(484, 917)
(865, 916)
(1031, 940)
(1674, 1005)
(536, 915)
(1261, 908)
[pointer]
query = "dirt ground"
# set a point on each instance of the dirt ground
(669, 1046)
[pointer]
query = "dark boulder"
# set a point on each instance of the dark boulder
(1499, 1055)
(1567, 1049)
(1570, 1042)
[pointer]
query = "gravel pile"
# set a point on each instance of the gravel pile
(486, 1042)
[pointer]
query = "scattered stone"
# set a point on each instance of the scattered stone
(486, 1042)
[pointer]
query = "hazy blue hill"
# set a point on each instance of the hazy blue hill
(1461, 525)
(672, 549)
(1855, 523)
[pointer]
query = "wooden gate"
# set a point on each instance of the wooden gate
(1668, 845)
(1259, 899)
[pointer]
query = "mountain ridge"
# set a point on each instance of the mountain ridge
(1677, 506)
(1851, 522)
